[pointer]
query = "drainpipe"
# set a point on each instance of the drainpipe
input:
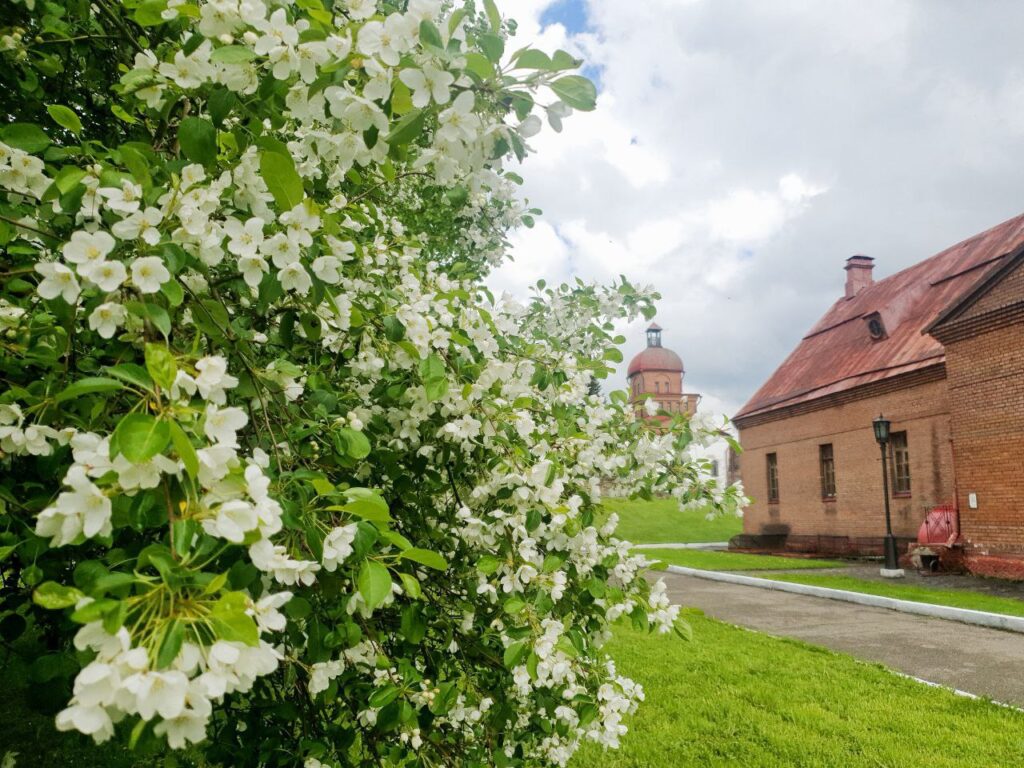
(956, 498)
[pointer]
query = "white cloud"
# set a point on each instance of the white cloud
(742, 150)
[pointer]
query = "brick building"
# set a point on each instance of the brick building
(657, 373)
(939, 350)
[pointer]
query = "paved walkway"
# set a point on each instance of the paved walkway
(705, 545)
(986, 662)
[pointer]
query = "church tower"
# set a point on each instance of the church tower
(657, 373)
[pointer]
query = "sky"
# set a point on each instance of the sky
(741, 150)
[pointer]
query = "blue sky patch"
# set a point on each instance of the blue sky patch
(571, 14)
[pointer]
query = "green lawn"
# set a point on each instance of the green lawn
(958, 599)
(745, 700)
(734, 561)
(660, 521)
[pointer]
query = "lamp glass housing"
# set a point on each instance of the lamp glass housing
(881, 426)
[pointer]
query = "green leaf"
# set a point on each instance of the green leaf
(133, 374)
(148, 14)
(284, 183)
(614, 354)
(173, 291)
(88, 386)
(492, 46)
(407, 129)
(411, 585)
(298, 608)
(171, 644)
(393, 328)
(121, 114)
(232, 54)
(6, 552)
(185, 450)
(425, 557)
(383, 696)
(488, 564)
(576, 91)
(367, 504)
(235, 626)
(514, 654)
(396, 539)
(154, 313)
(435, 388)
(216, 584)
(492, 15)
(374, 583)
(68, 178)
(356, 442)
(533, 59)
(161, 365)
(211, 318)
(54, 596)
(480, 66)
(27, 137)
(514, 605)
(65, 118)
(139, 437)
(430, 34)
(137, 163)
(413, 626)
(198, 139)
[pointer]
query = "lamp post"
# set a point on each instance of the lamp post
(892, 564)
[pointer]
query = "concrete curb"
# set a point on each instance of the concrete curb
(963, 615)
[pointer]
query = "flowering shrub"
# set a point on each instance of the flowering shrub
(281, 478)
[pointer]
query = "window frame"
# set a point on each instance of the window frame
(899, 465)
(827, 471)
(772, 472)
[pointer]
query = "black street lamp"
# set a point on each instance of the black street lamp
(881, 425)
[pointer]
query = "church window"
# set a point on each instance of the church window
(900, 463)
(827, 465)
(772, 461)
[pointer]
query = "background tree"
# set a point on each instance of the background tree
(277, 466)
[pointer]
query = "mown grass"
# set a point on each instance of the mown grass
(975, 601)
(734, 561)
(742, 699)
(660, 520)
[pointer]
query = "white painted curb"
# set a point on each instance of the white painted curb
(964, 615)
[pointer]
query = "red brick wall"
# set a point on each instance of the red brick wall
(855, 521)
(986, 382)
(1009, 290)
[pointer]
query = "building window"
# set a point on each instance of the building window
(714, 467)
(900, 463)
(827, 467)
(773, 477)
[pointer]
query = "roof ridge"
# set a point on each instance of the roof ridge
(836, 352)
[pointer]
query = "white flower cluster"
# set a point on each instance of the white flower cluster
(18, 439)
(121, 680)
(22, 173)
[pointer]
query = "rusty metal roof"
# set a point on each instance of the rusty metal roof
(839, 353)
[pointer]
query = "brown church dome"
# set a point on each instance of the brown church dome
(655, 357)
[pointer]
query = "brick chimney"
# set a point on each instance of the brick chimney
(858, 274)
